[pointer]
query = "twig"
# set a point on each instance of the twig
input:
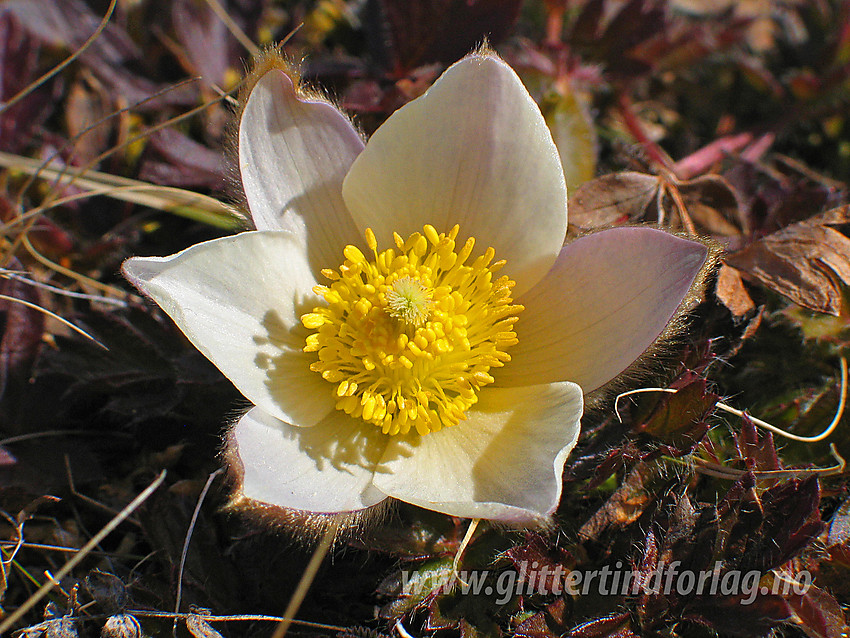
(633, 125)
(144, 613)
(6, 563)
(673, 191)
(62, 549)
(79, 556)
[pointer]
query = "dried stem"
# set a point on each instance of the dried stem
(79, 556)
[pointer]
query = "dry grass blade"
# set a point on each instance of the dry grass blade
(306, 580)
(467, 539)
(6, 274)
(145, 613)
(31, 87)
(67, 272)
(71, 142)
(721, 471)
(53, 315)
(188, 538)
(177, 201)
(79, 556)
(141, 136)
(234, 28)
(839, 412)
(842, 401)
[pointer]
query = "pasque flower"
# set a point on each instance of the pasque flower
(405, 318)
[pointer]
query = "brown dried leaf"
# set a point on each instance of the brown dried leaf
(731, 292)
(806, 262)
(612, 199)
(200, 628)
(839, 526)
(726, 615)
(19, 53)
(536, 552)
(121, 626)
(624, 506)
(757, 448)
(83, 108)
(29, 510)
(818, 614)
(107, 589)
(187, 163)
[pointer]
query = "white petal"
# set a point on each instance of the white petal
(503, 463)
(326, 468)
(608, 297)
(473, 150)
(239, 301)
(294, 152)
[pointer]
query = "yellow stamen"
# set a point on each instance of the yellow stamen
(409, 338)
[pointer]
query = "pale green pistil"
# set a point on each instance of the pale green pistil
(410, 301)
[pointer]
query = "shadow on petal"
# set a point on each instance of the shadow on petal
(324, 469)
(323, 241)
(503, 463)
(302, 394)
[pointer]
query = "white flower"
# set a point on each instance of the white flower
(407, 374)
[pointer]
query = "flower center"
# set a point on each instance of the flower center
(409, 300)
(409, 337)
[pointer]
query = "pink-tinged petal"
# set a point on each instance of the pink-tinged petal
(294, 152)
(325, 469)
(503, 463)
(606, 300)
(239, 301)
(473, 150)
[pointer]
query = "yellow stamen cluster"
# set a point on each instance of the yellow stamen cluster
(409, 337)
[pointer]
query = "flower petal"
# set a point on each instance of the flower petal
(239, 300)
(503, 463)
(473, 150)
(326, 468)
(294, 152)
(608, 297)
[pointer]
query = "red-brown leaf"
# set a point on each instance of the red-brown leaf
(806, 262)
